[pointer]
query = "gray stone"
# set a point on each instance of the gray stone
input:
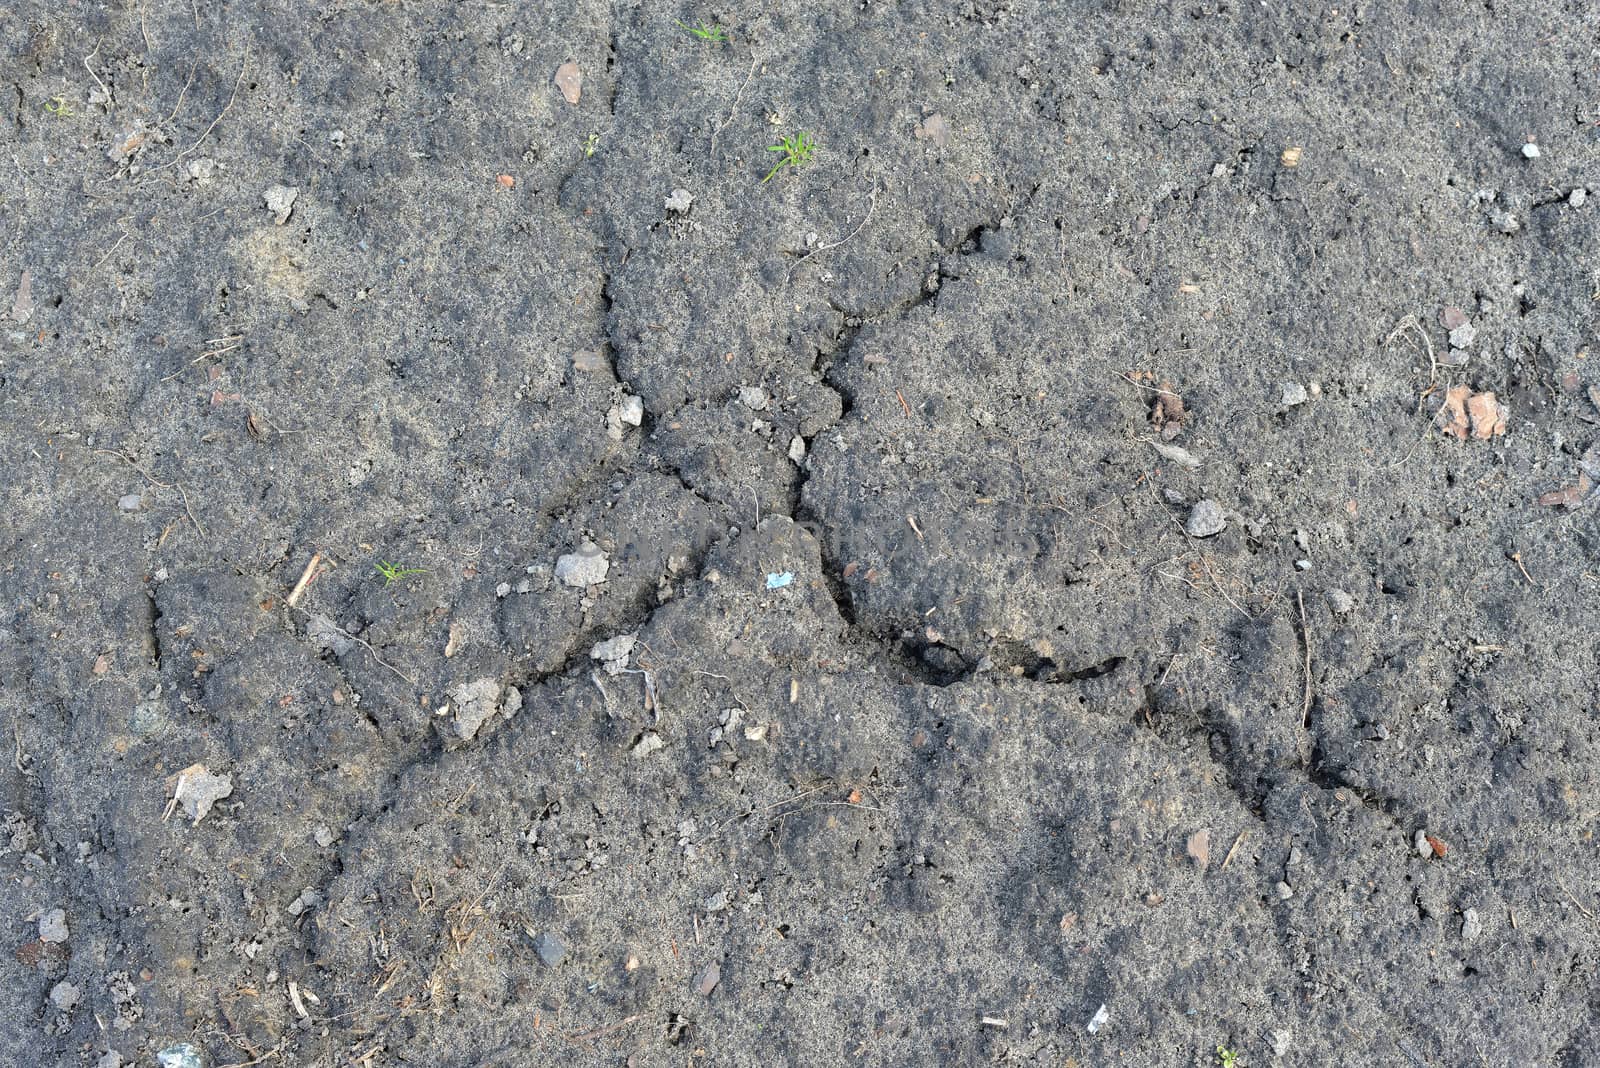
(585, 567)
(131, 502)
(53, 926)
(1451, 317)
(328, 635)
(1531, 151)
(197, 790)
(1576, 198)
(65, 996)
(550, 948)
(308, 900)
(1505, 221)
(181, 1055)
(679, 201)
(753, 397)
(280, 201)
(109, 1059)
(1463, 336)
(474, 703)
(1281, 1042)
(707, 980)
(1285, 891)
(1471, 925)
(1341, 602)
(1294, 394)
(614, 652)
(1206, 519)
(630, 409)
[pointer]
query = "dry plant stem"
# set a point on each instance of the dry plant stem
(754, 63)
(1305, 636)
(596, 1032)
(160, 485)
(1134, 381)
(368, 646)
(872, 205)
(305, 580)
(243, 66)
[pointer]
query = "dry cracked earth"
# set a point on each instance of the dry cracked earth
(1095, 564)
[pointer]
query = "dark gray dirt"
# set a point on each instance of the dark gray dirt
(954, 731)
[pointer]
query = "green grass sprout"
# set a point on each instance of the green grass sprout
(705, 32)
(393, 573)
(795, 151)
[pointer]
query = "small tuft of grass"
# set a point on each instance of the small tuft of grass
(705, 32)
(795, 151)
(393, 573)
(1229, 1058)
(589, 145)
(60, 107)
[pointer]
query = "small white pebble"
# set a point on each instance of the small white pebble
(1530, 150)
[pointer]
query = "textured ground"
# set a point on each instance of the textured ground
(952, 731)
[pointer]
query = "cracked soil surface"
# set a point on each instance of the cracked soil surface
(944, 727)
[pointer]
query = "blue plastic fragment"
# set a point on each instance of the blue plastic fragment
(777, 581)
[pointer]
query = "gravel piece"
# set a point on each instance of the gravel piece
(1199, 848)
(197, 790)
(614, 652)
(1177, 454)
(53, 926)
(1293, 394)
(328, 635)
(474, 703)
(130, 502)
(280, 201)
(585, 567)
(1419, 842)
(1471, 925)
(1451, 317)
(630, 409)
(1280, 1042)
(22, 306)
(1284, 890)
(1463, 336)
(707, 980)
(754, 397)
(1576, 198)
(65, 996)
(648, 743)
(933, 128)
(569, 79)
(1206, 519)
(1341, 602)
(1531, 151)
(680, 201)
(1505, 221)
(550, 949)
(181, 1055)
